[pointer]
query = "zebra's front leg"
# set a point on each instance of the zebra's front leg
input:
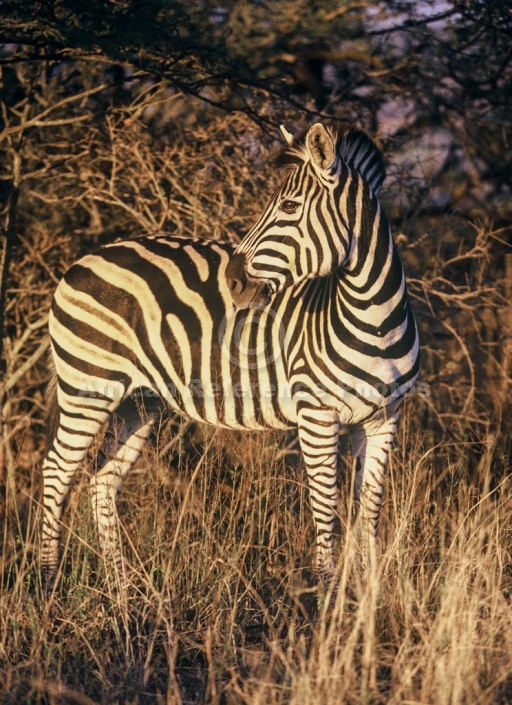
(370, 448)
(125, 437)
(318, 436)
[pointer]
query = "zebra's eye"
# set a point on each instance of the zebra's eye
(289, 206)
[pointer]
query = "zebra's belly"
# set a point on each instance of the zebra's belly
(233, 406)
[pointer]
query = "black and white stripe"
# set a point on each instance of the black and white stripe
(321, 337)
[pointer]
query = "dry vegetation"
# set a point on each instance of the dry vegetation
(220, 605)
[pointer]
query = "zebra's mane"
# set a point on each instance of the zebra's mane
(354, 148)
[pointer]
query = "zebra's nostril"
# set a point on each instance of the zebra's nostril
(235, 270)
(236, 278)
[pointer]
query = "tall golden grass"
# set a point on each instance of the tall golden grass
(219, 604)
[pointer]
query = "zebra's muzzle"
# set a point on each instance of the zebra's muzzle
(245, 292)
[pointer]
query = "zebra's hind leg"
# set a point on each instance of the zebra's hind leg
(127, 432)
(370, 448)
(78, 426)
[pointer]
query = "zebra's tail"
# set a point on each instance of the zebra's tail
(51, 419)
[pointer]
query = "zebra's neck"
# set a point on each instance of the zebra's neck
(371, 277)
(369, 290)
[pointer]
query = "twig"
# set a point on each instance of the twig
(29, 362)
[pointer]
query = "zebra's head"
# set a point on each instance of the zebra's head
(305, 231)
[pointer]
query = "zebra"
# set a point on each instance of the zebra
(305, 324)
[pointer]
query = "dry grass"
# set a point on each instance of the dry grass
(220, 604)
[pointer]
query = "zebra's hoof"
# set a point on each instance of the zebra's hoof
(49, 581)
(327, 592)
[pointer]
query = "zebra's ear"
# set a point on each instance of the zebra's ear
(321, 147)
(287, 135)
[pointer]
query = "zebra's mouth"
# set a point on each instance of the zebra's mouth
(261, 296)
(245, 291)
(253, 295)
